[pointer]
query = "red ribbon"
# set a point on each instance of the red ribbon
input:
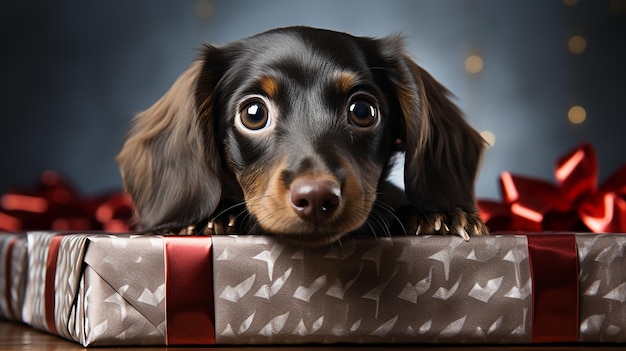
(189, 291)
(55, 204)
(574, 203)
(554, 270)
(49, 291)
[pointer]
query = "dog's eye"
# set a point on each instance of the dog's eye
(362, 113)
(254, 115)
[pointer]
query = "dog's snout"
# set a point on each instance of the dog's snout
(315, 200)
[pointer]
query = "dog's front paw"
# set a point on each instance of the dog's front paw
(217, 226)
(225, 224)
(454, 222)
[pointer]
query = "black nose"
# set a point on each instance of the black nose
(315, 200)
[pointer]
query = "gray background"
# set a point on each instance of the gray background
(75, 72)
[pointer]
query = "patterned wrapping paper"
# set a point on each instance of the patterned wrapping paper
(110, 295)
(130, 290)
(602, 287)
(420, 289)
(122, 292)
(13, 249)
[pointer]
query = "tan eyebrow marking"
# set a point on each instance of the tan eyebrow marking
(345, 81)
(269, 86)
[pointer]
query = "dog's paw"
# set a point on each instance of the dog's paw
(225, 224)
(454, 222)
(217, 226)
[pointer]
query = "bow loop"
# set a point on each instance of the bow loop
(573, 203)
(577, 173)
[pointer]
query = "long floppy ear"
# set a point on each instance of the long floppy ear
(169, 161)
(443, 152)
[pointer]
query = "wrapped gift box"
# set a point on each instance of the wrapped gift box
(99, 289)
(12, 275)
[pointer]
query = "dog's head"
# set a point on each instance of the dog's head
(300, 123)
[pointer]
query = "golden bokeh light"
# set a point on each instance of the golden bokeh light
(204, 9)
(577, 44)
(473, 64)
(577, 114)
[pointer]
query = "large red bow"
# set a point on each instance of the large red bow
(55, 204)
(574, 203)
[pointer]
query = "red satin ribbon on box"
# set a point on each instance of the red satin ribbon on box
(189, 291)
(574, 203)
(554, 269)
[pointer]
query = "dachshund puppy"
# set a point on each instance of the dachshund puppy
(292, 132)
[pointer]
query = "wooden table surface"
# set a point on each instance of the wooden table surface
(14, 336)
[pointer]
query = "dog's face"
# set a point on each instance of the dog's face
(307, 130)
(300, 124)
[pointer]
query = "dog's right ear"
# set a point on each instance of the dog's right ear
(169, 161)
(442, 151)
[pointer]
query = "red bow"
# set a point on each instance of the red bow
(574, 203)
(55, 204)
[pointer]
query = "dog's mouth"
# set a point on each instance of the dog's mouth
(300, 224)
(313, 209)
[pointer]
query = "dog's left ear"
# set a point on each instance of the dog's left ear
(443, 151)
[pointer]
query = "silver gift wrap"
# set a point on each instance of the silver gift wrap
(418, 289)
(114, 290)
(602, 287)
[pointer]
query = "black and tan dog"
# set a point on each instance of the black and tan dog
(291, 132)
